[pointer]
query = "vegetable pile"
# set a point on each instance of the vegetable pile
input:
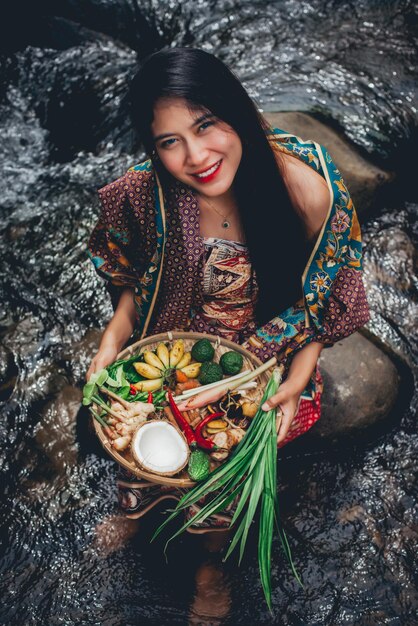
(169, 383)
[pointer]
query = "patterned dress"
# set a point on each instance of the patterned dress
(229, 297)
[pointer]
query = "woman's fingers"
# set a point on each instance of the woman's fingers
(274, 401)
(286, 422)
(103, 358)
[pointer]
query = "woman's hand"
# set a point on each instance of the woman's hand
(287, 401)
(105, 356)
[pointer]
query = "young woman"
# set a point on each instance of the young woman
(230, 228)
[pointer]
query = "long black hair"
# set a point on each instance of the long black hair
(274, 232)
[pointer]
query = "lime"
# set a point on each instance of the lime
(231, 363)
(203, 351)
(210, 373)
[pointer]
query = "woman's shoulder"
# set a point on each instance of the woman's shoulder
(136, 184)
(139, 175)
(308, 192)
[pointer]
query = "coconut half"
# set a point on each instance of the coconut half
(158, 447)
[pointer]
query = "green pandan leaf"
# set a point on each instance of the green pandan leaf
(87, 401)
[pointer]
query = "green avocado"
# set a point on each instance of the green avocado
(203, 351)
(199, 465)
(210, 373)
(231, 363)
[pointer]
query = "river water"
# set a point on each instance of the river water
(350, 509)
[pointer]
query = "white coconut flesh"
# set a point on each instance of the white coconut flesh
(159, 447)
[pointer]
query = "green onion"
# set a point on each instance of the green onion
(251, 473)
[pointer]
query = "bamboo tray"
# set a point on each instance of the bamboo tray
(221, 345)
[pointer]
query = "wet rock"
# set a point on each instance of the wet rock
(360, 386)
(56, 431)
(363, 179)
(8, 373)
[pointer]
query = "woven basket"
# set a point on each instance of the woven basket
(221, 345)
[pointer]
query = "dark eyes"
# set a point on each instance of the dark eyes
(169, 142)
(206, 124)
(166, 143)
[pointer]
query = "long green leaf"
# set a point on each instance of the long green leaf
(209, 509)
(265, 538)
(258, 476)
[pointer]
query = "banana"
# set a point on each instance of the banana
(152, 359)
(149, 385)
(185, 360)
(192, 370)
(176, 352)
(163, 354)
(147, 371)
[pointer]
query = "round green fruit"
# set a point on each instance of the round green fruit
(203, 351)
(210, 373)
(231, 363)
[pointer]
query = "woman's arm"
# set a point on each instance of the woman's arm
(287, 398)
(117, 333)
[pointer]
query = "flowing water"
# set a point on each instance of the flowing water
(349, 509)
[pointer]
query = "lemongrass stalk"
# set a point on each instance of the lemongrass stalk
(187, 394)
(212, 395)
(98, 418)
(106, 408)
(193, 392)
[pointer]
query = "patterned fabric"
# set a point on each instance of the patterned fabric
(229, 291)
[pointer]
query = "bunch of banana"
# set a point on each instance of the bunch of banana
(159, 365)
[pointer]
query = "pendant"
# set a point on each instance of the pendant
(226, 224)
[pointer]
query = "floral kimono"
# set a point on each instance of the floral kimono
(151, 242)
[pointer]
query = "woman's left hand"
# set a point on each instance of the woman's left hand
(286, 400)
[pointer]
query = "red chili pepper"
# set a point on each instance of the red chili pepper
(150, 397)
(133, 390)
(207, 444)
(181, 421)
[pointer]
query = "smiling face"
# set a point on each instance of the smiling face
(196, 148)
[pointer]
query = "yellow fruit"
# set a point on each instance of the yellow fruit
(147, 371)
(249, 408)
(163, 354)
(217, 424)
(152, 359)
(176, 352)
(192, 370)
(149, 385)
(185, 360)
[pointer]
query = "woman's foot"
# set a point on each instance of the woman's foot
(212, 600)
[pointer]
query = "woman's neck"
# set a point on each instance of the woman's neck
(218, 219)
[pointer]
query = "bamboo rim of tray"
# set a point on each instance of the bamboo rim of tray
(129, 464)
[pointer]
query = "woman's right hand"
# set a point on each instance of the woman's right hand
(104, 357)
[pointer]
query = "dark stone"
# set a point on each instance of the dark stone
(364, 180)
(360, 387)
